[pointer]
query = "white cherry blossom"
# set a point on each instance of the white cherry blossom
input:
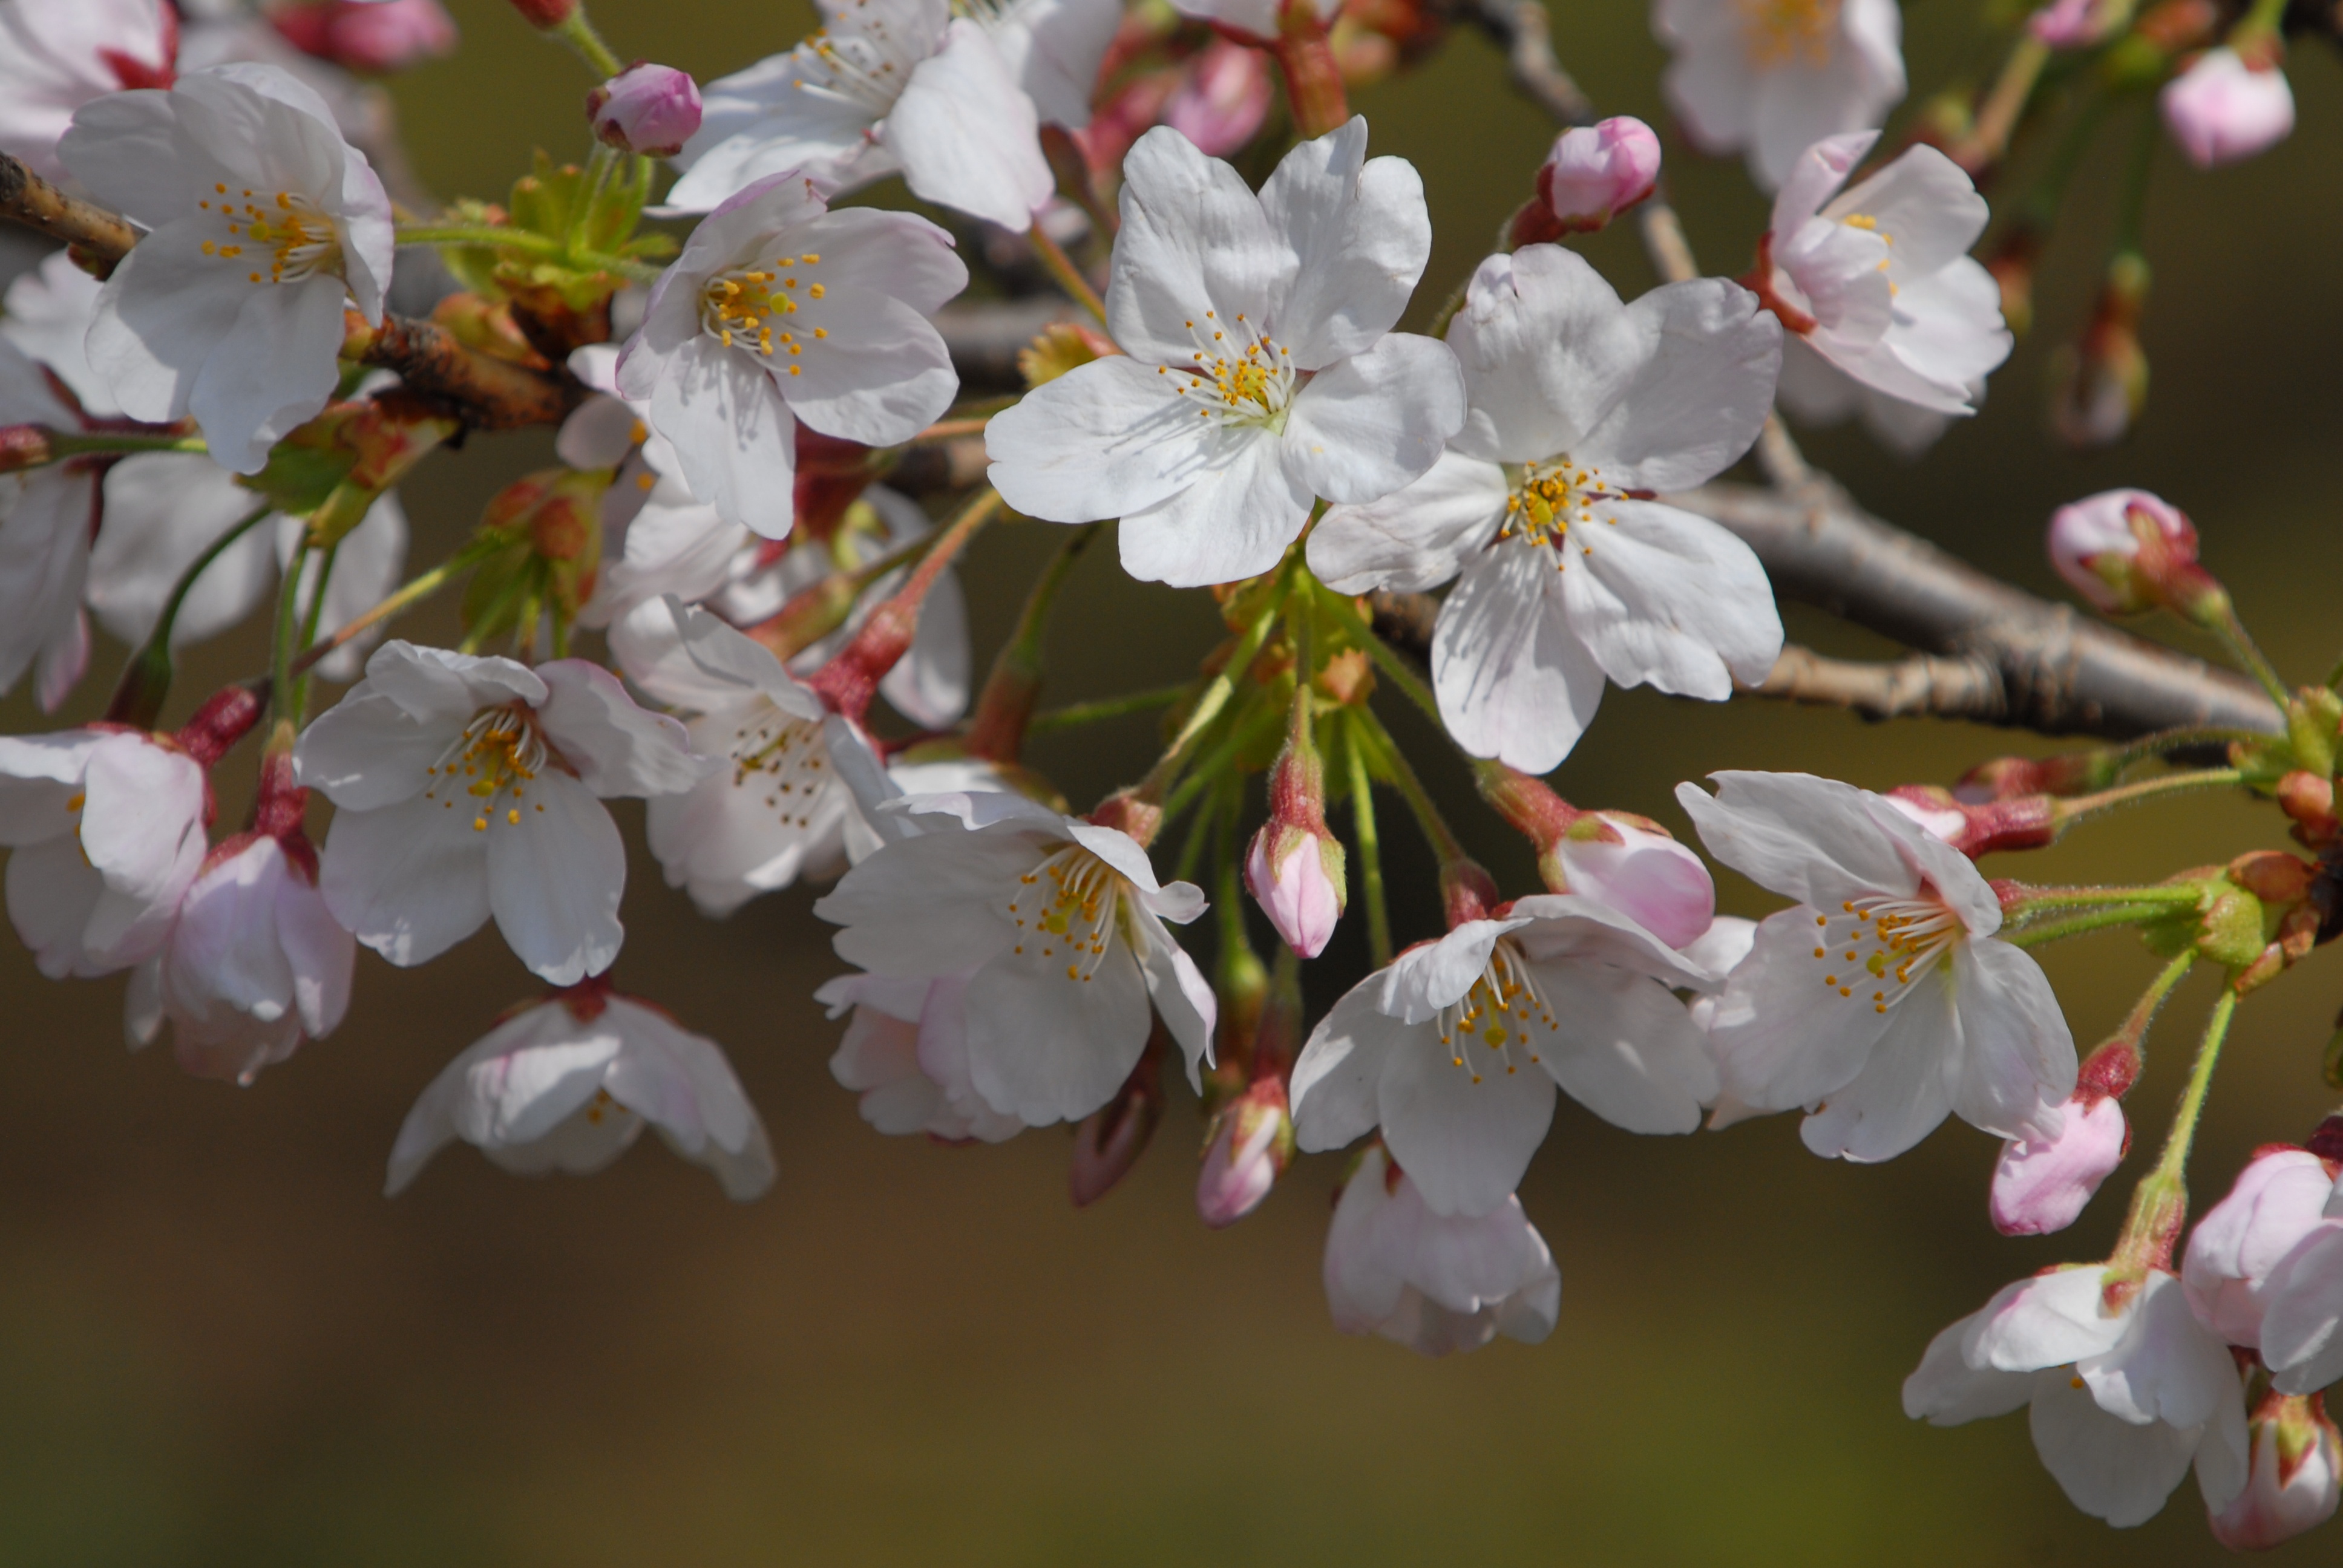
(1259, 367)
(107, 826)
(2238, 1247)
(1455, 1050)
(1770, 77)
(264, 225)
(568, 1083)
(2126, 1392)
(57, 55)
(779, 308)
(1878, 281)
(1580, 407)
(467, 787)
(887, 87)
(905, 1053)
(1816, 392)
(1882, 1000)
(1434, 1282)
(1059, 925)
(47, 516)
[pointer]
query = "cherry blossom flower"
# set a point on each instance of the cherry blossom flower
(647, 108)
(1287, 871)
(2278, 1203)
(891, 86)
(2041, 1184)
(905, 1052)
(2297, 1456)
(1879, 282)
(1771, 79)
(569, 1083)
(778, 308)
(2302, 1318)
(2222, 110)
(1580, 407)
(467, 787)
(1259, 368)
(1455, 1049)
(1432, 1282)
(1881, 1000)
(255, 965)
(1248, 1146)
(1632, 864)
(2126, 1388)
(1819, 393)
(57, 55)
(1059, 925)
(1592, 174)
(47, 516)
(1222, 98)
(107, 829)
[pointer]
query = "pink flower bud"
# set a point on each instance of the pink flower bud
(1297, 877)
(1596, 172)
(1110, 1140)
(2099, 382)
(368, 36)
(2067, 24)
(1633, 865)
(2278, 1200)
(646, 108)
(2120, 549)
(1221, 99)
(2222, 110)
(1974, 829)
(2291, 1487)
(2041, 1185)
(1250, 1145)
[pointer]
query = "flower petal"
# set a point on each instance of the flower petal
(1362, 233)
(968, 136)
(1463, 1132)
(1374, 422)
(1193, 240)
(1512, 682)
(1233, 521)
(555, 879)
(1661, 595)
(1415, 539)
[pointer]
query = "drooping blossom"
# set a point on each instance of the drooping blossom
(1882, 1000)
(2126, 1388)
(1434, 1282)
(1259, 367)
(2292, 1488)
(1059, 925)
(569, 1083)
(2042, 1184)
(57, 55)
(2125, 551)
(1250, 1143)
(780, 309)
(648, 110)
(370, 36)
(467, 787)
(2302, 1318)
(1456, 1048)
(2222, 110)
(1879, 282)
(905, 1053)
(264, 222)
(1572, 576)
(1288, 873)
(888, 86)
(1771, 79)
(2277, 1203)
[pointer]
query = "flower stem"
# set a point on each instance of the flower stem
(849, 679)
(2160, 1202)
(579, 32)
(1005, 710)
(1209, 704)
(1395, 770)
(281, 694)
(1371, 854)
(407, 597)
(316, 613)
(2032, 901)
(146, 681)
(2099, 920)
(1074, 715)
(2151, 1002)
(1070, 278)
(2066, 813)
(813, 612)
(64, 444)
(2131, 204)
(2247, 654)
(1989, 138)
(1386, 658)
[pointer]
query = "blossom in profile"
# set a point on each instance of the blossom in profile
(264, 224)
(2224, 109)
(2042, 1184)
(781, 310)
(1434, 1282)
(2298, 1460)
(467, 787)
(2277, 1203)
(2126, 551)
(1573, 576)
(1877, 281)
(568, 1083)
(1259, 368)
(1769, 80)
(1881, 1000)
(57, 55)
(2128, 1389)
(1592, 174)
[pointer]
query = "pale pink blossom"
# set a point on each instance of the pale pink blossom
(1770, 80)
(1596, 172)
(2098, 544)
(1287, 873)
(1434, 1282)
(905, 1053)
(1222, 98)
(1249, 1146)
(1255, 18)
(370, 36)
(2041, 1184)
(1634, 866)
(2222, 110)
(646, 108)
(2292, 1488)
(2277, 1203)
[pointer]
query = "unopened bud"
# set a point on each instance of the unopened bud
(1111, 1138)
(2013, 822)
(1594, 173)
(2041, 1185)
(546, 14)
(2291, 1484)
(2067, 23)
(2068, 773)
(1297, 877)
(1632, 864)
(647, 108)
(25, 447)
(2225, 108)
(2128, 551)
(1222, 98)
(370, 36)
(2099, 383)
(1247, 1147)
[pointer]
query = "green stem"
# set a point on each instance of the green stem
(579, 32)
(529, 244)
(2037, 899)
(2047, 195)
(309, 622)
(2144, 1012)
(282, 695)
(1244, 729)
(1393, 766)
(1221, 820)
(2165, 742)
(2131, 206)
(414, 593)
(1070, 278)
(146, 678)
(2081, 808)
(1004, 711)
(2055, 930)
(1386, 658)
(2249, 655)
(66, 444)
(1209, 704)
(2160, 1202)
(1074, 715)
(2175, 1160)
(1371, 854)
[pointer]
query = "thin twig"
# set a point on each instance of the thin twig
(1519, 27)
(101, 236)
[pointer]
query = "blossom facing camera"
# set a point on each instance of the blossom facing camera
(1594, 173)
(1248, 1146)
(2224, 109)
(2127, 551)
(264, 225)
(2041, 1184)
(1433, 1283)
(1771, 80)
(646, 108)
(2297, 1456)
(570, 1083)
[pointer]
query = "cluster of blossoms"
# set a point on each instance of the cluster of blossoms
(215, 408)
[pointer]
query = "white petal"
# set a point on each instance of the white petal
(1337, 1076)
(1374, 422)
(1512, 682)
(1415, 539)
(1044, 1047)
(2017, 1055)
(617, 748)
(163, 509)
(1546, 349)
(1361, 234)
(1661, 595)
(410, 880)
(1707, 359)
(1464, 1133)
(1193, 240)
(2107, 1467)
(1946, 1391)
(1900, 1096)
(733, 434)
(1428, 977)
(1781, 1039)
(1233, 521)
(882, 375)
(1108, 438)
(1626, 1049)
(968, 136)
(555, 879)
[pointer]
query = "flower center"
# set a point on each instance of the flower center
(741, 306)
(1239, 374)
(495, 759)
(866, 65)
(298, 237)
(1882, 943)
(1774, 32)
(1503, 1013)
(1069, 907)
(1547, 498)
(783, 758)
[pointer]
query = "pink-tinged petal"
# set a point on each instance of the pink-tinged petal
(968, 136)
(1926, 203)
(1430, 977)
(1546, 350)
(881, 375)
(1336, 1077)
(1362, 233)
(2041, 1185)
(2015, 1061)
(2237, 1247)
(1296, 894)
(1624, 1048)
(1415, 539)
(1054, 48)
(323, 956)
(2050, 1321)
(1512, 681)
(52, 893)
(617, 746)
(1374, 422)
(2302, 1321)
(1233, 521)
(1193, 240)
(1046, 1047)
(409, 880)
(1805, 838)
(1108, 438)
(1650, 878)
(143, 817)
(1464, 1133)
(2168, 1367)
(878, 1060)
(2222, 111)
(1573, 928)
(555, 879)
(1707, 358)
(733, 433)
(163, 509)
(1659, 595)
(1946, 1391)
(764, 121)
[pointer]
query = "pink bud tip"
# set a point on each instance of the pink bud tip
(1252, 1144)
(2222, 110)
(1642, 873)
(648, 110)
(1222, 98)
(368, 36)
(2292, 1484)
(2100, 545)
(2066, 23)
(2042, 1184)
(1287, 873)
(1597, 172)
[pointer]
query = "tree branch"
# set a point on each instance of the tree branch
(1520, 29)
(1965, 687)
(34, 202)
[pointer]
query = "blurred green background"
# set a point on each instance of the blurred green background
(220, 1344)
